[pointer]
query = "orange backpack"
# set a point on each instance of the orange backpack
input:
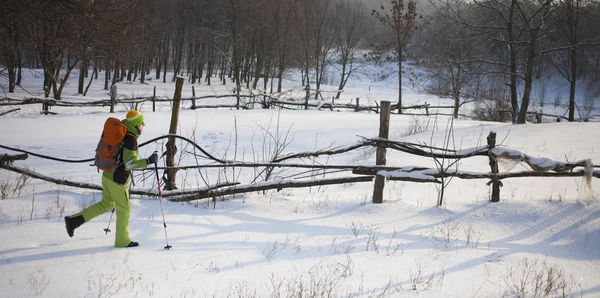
(109, 146)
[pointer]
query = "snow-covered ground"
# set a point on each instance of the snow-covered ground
(328, 241)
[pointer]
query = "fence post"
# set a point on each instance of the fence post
(384, 128)
(426, 109)
(491, 141)
(45, 107)
(357, 108)
(265, 105)
(238, 88)
(154, 100)
(193, 98)
(113, 98)
(171, 184)
(307, 88)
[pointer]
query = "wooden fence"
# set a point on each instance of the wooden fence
(264, 101)
(255, 101)
(380, 171)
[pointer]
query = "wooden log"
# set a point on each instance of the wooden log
(210, 193)
(365, 170)
(502, 176)
(358, 170)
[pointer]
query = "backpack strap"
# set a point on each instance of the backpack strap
(130, 141)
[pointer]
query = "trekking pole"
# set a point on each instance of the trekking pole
(107, 227)
(161, 205)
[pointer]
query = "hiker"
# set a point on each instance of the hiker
(115, 184)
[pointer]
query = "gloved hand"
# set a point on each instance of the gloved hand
(153, 158)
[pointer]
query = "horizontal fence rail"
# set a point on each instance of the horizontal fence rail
(542, 167)
(254, 101)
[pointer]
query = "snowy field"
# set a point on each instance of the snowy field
(328, 241)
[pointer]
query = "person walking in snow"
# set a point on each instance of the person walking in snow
(115, 184)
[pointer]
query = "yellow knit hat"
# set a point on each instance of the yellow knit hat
(134, 117)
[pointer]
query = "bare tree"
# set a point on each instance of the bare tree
(534, 18)
(317, 32)
(568, 43)
(179, 36)
(354, 24)
(324, 28)
(262, 42)
(284, 17)
(306, 40)
(237, 13)
(519, 25)
(447, 51)
(402, 20)
(10, 13)
(51, 27)
(496, 21)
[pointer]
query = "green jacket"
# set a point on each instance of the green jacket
(129, 158)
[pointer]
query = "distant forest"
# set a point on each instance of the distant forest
(470, 50)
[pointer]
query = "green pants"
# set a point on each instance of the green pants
(113, 194)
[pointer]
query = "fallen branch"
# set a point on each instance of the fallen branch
(10, 111)
(269, 185)
(430, 175)
(5, 161)
(324, 152)
(37, 175)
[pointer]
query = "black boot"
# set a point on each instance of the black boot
(73, 223)
(133, 244)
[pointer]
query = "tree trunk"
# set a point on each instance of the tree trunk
(90, 82)
(63, 82)
(143, 72)
(47, 83)
(343, 79)
(12, 77)
(573, 80)
(178, 50)
(158, 61)
(129, 72)
(81, 82)
(115, 74)
(106, 75)
(279, 77)
(19, 67)
(514, 101)
(400, 54)
(531, 53)
(165, 58)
